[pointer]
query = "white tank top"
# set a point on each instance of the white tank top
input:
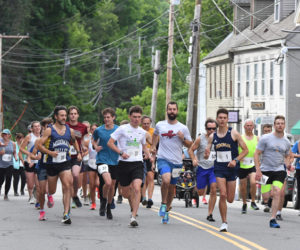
(31, 143)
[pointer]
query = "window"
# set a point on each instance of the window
(271, 78)
(210, 82)
(255, 79)
(239, 82)
(215, 78)
(263, 79)
(277, 10)
(247, 80)
(225, 80)
(281, 79)
(220, 81)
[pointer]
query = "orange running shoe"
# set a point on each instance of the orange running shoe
(93, 206)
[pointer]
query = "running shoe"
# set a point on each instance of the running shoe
(22, 193)
(204, 201)
(86, 201)
(244, 209)
(149, 203)
(113, 205)
(210, 218)
(102, 207)
(267, 209)
(120, 199)
(66, 219)
(37, 205)
(165, 219)
(6, 198)
(254, 206)
(77, 201)
(93, 206)
(224, 227)
(42, 216)
(109, 215)
(144, 201)
(274, 224)
(50, 202)
(16, 194)
(31, 200)
(73, 204)
(133, 222)
(279, 217)
(162, 210)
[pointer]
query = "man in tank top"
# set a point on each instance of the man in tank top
(226, 141)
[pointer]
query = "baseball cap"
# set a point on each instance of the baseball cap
(6, 131)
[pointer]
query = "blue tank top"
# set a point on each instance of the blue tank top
(226, 150)
(59, 143)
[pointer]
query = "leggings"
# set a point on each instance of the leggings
(17, 173)
(6, 174)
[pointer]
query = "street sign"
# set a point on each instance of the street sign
(258, 105)
(233, 116)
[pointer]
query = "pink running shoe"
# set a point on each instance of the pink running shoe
(42, 216)
(50, 202)
(93, 206)
(204, 201)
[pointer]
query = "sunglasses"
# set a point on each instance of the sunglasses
(210, 128)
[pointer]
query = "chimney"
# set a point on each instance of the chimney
(241, 18)
(261, 10)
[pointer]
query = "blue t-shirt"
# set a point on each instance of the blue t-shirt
(106, 155)
(295, 151)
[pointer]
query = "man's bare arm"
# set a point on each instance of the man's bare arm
(191, 150)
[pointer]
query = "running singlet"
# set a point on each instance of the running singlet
(209, 163)
(6, 159)
(80, 130)
(59, 143)
(248, 161)
(226, 150)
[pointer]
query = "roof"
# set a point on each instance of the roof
(265, 32)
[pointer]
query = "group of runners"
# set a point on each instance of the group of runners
(111, 156)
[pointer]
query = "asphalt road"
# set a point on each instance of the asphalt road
(188, 228)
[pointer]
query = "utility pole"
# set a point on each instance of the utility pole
(1, 56)
(155, 86)
(170, 54)
(191, 117)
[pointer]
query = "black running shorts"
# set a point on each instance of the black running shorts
(129, 171)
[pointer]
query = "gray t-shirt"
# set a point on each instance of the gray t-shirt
(274, 149)
(170, 145)
(205, 163)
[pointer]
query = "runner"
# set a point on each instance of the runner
(106, 160)
(30, 170)
(80, 131)
(172, 135)
(7, 153)
(131, 144)
(148, 165)
(275, 151)
(57, 139)
(42, 173)
(226, 141)
(92, 170)
(205, 171)
(247, 168)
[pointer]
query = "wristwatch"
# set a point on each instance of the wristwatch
(236, 160)
(121, 152)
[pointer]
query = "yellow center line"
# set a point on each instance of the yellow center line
(172, 214)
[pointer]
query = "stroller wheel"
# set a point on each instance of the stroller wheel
(187, 198)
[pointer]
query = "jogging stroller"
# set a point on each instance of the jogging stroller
(186, 183)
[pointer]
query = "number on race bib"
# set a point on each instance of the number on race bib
(212, 156)
(6, 157)
(133, 152)
(61, 157)
(176, 172)
(103, 168)
(224, 156)
(263, 180)
(248, 161)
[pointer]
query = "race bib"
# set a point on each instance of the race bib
(86, 158)
(263, 180)
(92, 163)
(6, 157)
(73, 150)
(212, 156)
(61, 157)
(133, 152)
(176, 172)
(224, 156)
(248, 161)
(103, 168)
(34, 161)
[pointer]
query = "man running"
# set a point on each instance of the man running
(172, 135)
(131, 144)
(148, 165)
(106, 160)
(57, 139)
(30, 170)
(247, 167)
(226, 141)
(80, 131)
(275, 151)
(205, 171)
